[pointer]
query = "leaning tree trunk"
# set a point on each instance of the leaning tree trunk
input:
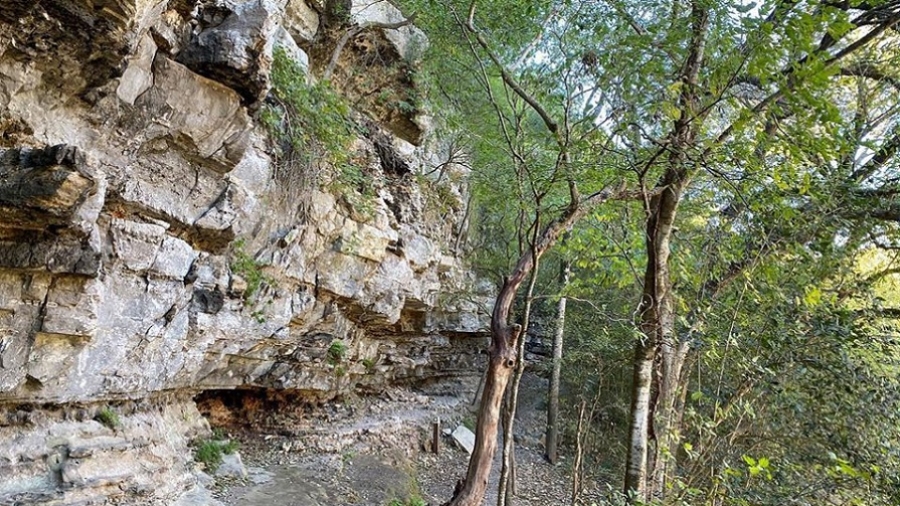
(500, 366)
(507, 486)
(502, 353)
(552, 438)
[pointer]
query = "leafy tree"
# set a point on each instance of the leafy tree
(727, 140)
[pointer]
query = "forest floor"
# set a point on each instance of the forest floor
(376, 450)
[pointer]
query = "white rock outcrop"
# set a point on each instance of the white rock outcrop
(153, 245)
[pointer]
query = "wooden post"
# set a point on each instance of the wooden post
(436, 437)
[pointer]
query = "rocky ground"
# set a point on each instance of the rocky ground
(375, 450)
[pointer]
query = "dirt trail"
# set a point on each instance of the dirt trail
(371, 454)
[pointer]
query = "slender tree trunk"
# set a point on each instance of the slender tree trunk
(657, 328)
(667, 417)
(577, 471)
(506, 489)
(552, 437)
(657, 301)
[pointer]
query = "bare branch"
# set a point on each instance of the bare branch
(352, 32)
(884, 154)
(511, 81)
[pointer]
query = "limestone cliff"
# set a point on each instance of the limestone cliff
(154, 243)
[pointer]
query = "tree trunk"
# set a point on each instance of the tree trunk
(507, 486)
(638, 438)
(500, 369)
(552, 437)
(667, 416)
(577, 471)
(657, 300)
(657, 328)
(504, 342)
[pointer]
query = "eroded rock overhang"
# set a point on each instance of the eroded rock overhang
(152, 246)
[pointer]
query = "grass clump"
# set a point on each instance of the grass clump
(109, 418)
(211, 451)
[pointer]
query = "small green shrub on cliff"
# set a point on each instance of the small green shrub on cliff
(438, 195)
(355, 186)
(336, 352)
(108, 417)
(244, 265)
(311, 117)
(211, 451)
(311, 123)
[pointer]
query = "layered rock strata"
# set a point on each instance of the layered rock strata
(153, 244)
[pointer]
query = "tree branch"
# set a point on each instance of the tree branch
(511, 81)
(884, 154)
(352, 32)
(870, 72)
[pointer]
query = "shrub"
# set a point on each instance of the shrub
(306, 115)
(412, 501)
(311, 122)
(108, 417)
(336, 352)
(248, 268)
(211, 451)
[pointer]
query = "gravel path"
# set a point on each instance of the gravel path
(373, 452)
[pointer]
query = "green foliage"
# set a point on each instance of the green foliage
(109, 418)
(337, 351)
(412, 501)
(312, 124)
(439, 196)
(307, 116)
(243, 264)
(355, 186)
(369, 364)
(794, 367)
(210, 452)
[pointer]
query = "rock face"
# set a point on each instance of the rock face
(152, 246)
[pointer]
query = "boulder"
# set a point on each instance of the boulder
(464, 438)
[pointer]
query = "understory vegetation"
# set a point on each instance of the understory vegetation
(211, 452)
(698, 201)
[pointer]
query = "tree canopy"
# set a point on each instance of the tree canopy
(728, 176)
